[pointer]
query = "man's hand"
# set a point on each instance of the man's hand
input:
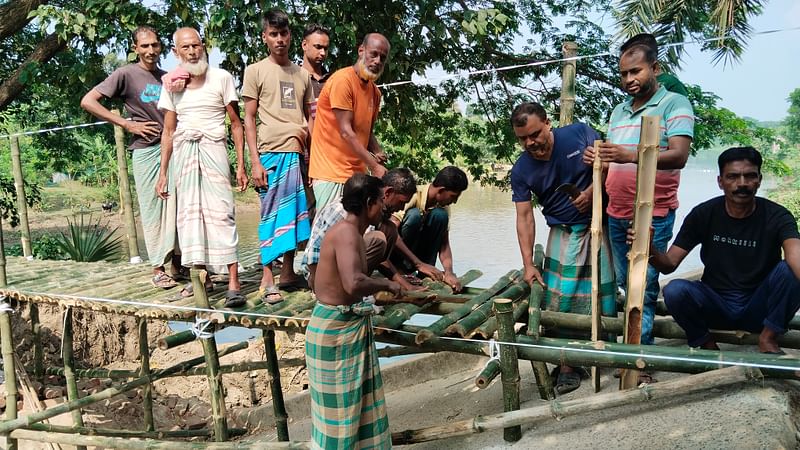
(377, 171)
(632, 234)
(406, 286)
(452, 280)
(258, 174)
(430, 271)
(615, 153)
(161, 187)
(143, 129)
(241, 179)
(531, 274)
(381, 157)
(588, 156)
(394, 288)
(583, 202)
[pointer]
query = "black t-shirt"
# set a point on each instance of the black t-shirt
(738, 254)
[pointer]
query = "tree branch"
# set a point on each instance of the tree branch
(15, 16)
(43, 52)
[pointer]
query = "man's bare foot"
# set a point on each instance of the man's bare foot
(768, 342)
(710, 344)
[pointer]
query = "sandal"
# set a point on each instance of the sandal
(566, 382)
(188, 291)
(162, 280)
(270, 295)
(234, 299)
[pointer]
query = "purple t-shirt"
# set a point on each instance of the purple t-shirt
(542, 178)
(139, 89)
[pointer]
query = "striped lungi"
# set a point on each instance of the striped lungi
(206, 226)
(326, 192)
(568, 272)
(158, 216)
(348, 409)
(284, 214)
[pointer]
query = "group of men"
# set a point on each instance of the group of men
(320, 174)
(745, 285)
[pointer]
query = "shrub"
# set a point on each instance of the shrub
(89, 241)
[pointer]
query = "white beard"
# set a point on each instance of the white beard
(196, 69)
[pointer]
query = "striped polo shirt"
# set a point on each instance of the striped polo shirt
(677, 119)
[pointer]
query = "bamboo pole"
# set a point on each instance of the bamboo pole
(568, 49)
(596, 230)
(640, 248)
(558, 410)
(147, 390)
(36, 337)
(488, 374)
(125, 194)
(544, 382)
(440, 325)
(3, 277)
(29, 394)
(509, 366)
(151, 444)
(175, 340)
(278, 407)
(488, 328)
(22, 203)
(484, 311)
(7, 348)
(110, 432)
(212, 361)
(69, 368)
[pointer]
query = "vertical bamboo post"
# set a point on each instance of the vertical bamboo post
(596, 230)
(7, 345)
(3, 279)
(568, 50)
(22, 204)
(212, 361)
(69, 367)
(509, 367)
(640, 248)
(147, 389)
(36, 337)
(544, 383)
(278, 407)
(125, 194)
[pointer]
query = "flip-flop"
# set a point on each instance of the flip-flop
(567, 382)
(188, 291)
(270, 295)
(293, 286)
(234, 299)
(645, 378)
(162, 280)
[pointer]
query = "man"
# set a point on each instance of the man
(638, 67)
(348, 409)
(398, 187)
(279, 93)
(745, 284)
(342, 141)
(552, 158)
(194, 128)
(668, 80)
(424, 226)
(316, 40)
(139, 86)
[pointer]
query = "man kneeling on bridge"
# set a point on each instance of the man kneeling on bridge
(745, 284)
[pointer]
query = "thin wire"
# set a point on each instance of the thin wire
(439, 79)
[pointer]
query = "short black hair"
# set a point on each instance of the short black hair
(401, 180)
(643, 42)
(452, 179)
(315, 28)
(275, 18)
(359, 190)
(143, 29)
(740, 154)
(519, 117)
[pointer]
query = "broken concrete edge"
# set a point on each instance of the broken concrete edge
(396, 375)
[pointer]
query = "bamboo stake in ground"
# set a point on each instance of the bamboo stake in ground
(36, 337)
(212, 361)
(558, 410)
(22, 204)
(7, 348)
(569, 49)
(147, 390)
(69, 368)
(3, 278)
(596, 236)
(509, 367)
(640, 248)
(125, 194)
(278, 408)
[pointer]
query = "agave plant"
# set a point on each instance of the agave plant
(89, 241)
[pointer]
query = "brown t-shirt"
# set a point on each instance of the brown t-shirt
(139, 89)
(282, 93)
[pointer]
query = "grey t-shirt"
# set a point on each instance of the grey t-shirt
(139, 89)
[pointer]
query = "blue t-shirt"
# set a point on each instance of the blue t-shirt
(530, 175)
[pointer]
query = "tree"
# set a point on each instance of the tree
(792, 121)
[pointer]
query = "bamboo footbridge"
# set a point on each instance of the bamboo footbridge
(508, 311)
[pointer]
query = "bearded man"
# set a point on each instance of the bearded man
(342, 142)
(194, 128)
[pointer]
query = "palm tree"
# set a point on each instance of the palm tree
(675, 21)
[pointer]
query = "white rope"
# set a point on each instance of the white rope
(494, 353)
(439, 79)
(199, 328)
(5, 307)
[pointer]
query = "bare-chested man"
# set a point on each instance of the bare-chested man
(348, 406)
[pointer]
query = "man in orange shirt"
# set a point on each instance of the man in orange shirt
(342, 142)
